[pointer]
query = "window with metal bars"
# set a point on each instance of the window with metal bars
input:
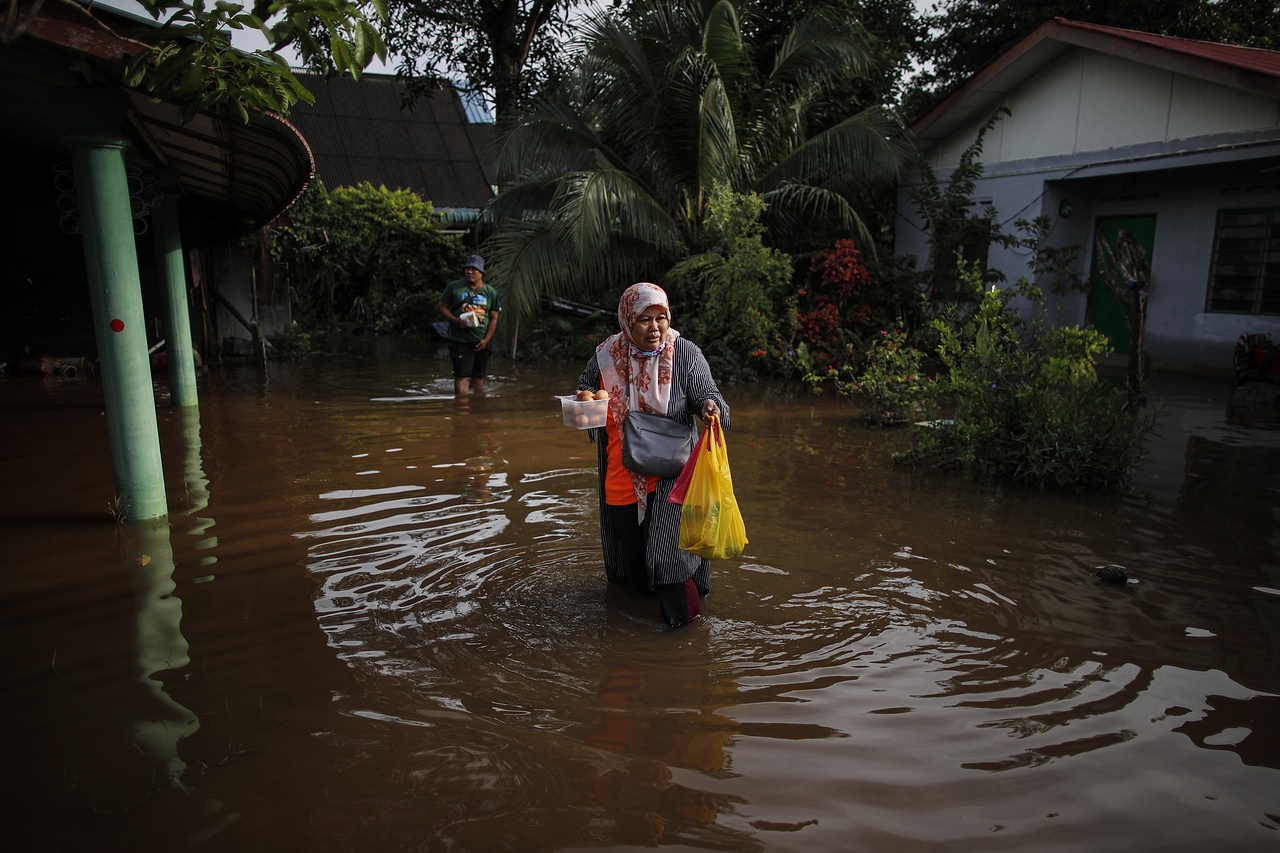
(1245, 275)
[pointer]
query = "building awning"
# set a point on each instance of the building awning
(253, 171)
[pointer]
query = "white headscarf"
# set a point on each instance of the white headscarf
(634, 377)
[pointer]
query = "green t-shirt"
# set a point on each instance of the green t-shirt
(482, 301)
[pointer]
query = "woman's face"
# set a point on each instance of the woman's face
(649, 327)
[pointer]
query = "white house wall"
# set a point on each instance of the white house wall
(1201, 108)
(1048, 116)
(1115, 138)
(1088, 102)
(1121, 103)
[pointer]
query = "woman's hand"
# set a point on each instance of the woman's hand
(709, 409)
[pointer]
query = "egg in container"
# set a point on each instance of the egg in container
(585, 410)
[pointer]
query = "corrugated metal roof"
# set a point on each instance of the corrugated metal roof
(358, 132)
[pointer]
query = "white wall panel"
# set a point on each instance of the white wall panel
(1200, 108)
(1043, 114)
(950, 151)
(1122, 103)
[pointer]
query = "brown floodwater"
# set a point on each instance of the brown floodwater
(377, 620)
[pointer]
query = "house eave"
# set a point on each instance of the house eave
(983, 93)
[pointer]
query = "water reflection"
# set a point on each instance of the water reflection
(408, 643)
(162, 722)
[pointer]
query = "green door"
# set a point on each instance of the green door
(1105, 313)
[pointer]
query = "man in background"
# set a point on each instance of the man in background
(470, 308)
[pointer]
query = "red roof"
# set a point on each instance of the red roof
(1250, 58)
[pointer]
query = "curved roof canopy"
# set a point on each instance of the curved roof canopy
(253, 171)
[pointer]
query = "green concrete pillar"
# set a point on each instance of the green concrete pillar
(173, 289)
(111, 260)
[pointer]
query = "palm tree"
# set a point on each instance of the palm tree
(608, 182)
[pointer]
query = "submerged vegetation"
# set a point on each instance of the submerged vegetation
(1027, 404)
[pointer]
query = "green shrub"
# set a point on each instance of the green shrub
(893, 386)
(364, 255)
(726, 295)
(1030, 407)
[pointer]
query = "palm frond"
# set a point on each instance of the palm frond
(617, 64)
(552, 135)
(600, 228)
(818, 56)
(696, 119)
(533, 198)
(696, 273)
(817, 41)
(528, 262)
(722, 41)
(805, 218)
(606, 206)
(869, 148)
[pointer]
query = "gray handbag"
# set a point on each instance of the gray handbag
(655, 445)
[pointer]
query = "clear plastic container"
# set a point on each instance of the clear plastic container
(583, 414)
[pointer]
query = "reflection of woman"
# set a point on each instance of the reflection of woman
(649, 367)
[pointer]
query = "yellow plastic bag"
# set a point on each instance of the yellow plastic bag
(710, 523)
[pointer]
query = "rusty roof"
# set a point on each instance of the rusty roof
(1254, 59)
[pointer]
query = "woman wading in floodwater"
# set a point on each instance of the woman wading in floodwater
(648, 366)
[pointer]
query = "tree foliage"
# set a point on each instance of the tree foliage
(955, 226)
(190, 58)
(609, 182)
(364, 255)
(734, 287)
(967, 34)
(893, 30)
(507, 49)
(893, 34)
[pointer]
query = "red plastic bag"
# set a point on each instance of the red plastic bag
(676, 495)
(710, 523)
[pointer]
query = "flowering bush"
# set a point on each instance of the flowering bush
(824, 322)
(835, 298)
